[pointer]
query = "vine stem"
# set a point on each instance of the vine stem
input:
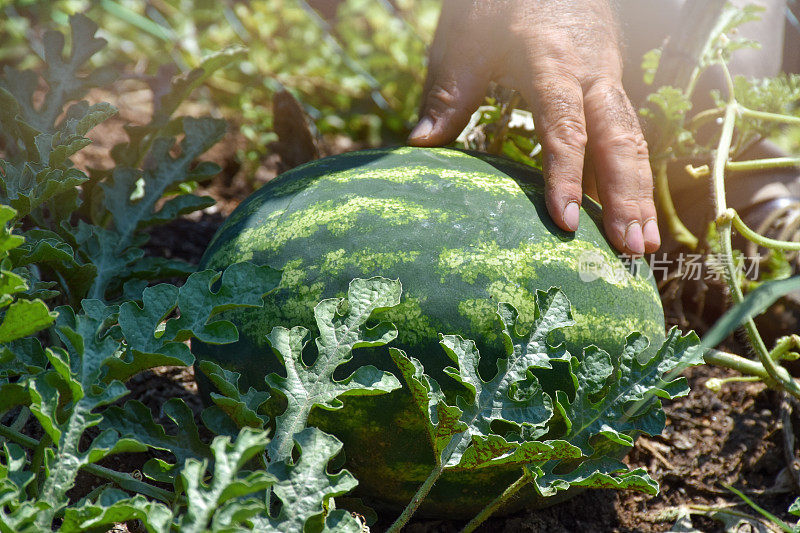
(420, 495)
(757, 238)
(739, 364)
(681, 233)
(692, 41)
(784, 346)
(487, 511)
(763, 164)
(764, 115)
(724, 228)
(745, 166)
(120, 478)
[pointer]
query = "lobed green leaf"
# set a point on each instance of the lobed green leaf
(343, 327)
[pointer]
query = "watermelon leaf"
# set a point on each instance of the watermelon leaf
(135, 421)
(616, 400)
(443, 421)
(305, 488)
(168, 172)
(462, 436)
(242, 409)
(75, 375)
(513, 396)
(226, 503)
(343, 327)
(597, 473)
(18, 511)
(72, 390)
(241, 285)
(96, 257)
(113, 506)
(18, 318)
(606, 391)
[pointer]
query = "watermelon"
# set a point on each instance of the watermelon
(462, 231)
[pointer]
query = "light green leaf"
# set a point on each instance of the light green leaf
(305, 487)
(23, 318)
(228, 485)
(342, 326)
(650, 62)
(8, 240)
(17, 512)
(795, 507)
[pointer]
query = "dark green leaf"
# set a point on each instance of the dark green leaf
(241, 285)
(243, 409)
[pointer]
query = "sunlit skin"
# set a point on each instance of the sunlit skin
(563, 56)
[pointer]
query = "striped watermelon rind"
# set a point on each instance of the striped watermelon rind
(462, 231)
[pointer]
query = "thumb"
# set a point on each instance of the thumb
(453, 91)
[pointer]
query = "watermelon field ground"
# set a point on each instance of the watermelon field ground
(130, 131)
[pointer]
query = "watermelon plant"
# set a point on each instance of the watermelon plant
(75, 238)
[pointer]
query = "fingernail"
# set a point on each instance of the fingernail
(423, 128)
(651, 235)
(571, 215)
(634, 241)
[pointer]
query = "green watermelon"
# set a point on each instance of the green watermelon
(462, 231)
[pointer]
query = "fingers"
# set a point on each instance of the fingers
(458, 76)
(623, 176)
(557, 102)
(454, 94)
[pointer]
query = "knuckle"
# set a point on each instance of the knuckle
(628, 209)
(624, 142)
(562, 187)
(442, 97)
(645, 196)
(569, 132)
(617, 109)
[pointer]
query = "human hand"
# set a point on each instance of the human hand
(564, 59)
